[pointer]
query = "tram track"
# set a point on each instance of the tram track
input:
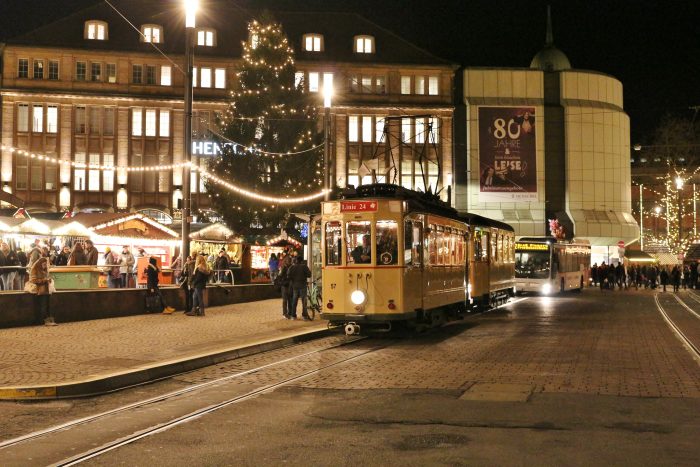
(164, 408)
(691, 345)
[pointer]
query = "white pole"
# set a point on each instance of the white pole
(641, 217)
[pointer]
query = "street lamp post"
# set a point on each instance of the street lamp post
(327, 97)
(190, 13)
(641, 217)
(679, 188)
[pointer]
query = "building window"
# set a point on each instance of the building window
(80, 120)
(380, 85)
(150, 122)
(420, 131)
(95, 72)
(364, 44)
(23, 118)
(366, 129)
(38, 119)
(220, 78)
(205, 79)
(96, 30)
(367, 84)
(108, 175)
(108, 122)
(420, 84)
(206, 37)
(405, 130)
(137, 74)
(21, 173)
(379, 124)
(313, 42)
(79, 172)
(353, 128)
(151, 33)
(136, 116)
(405, 85)
(112, 73)
(299, 80)
(23, 68)
(80, 71)
(94, 174)
(50, 172)
(433, 88)
(313, 81)
(36, 175)
(433, 129)
(150, 74)
(194, 76)
(165, 123)
(52, 119)
(38, 69)
(165, 79)
(94, 123)
(53, 69)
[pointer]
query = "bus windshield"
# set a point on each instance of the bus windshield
(532, 264)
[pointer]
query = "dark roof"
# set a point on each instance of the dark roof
(230, 23)
(481, 221)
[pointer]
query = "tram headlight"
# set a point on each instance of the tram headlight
(547, 289)
(358, 297)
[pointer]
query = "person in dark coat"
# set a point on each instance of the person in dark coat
(222, 266)
(77, 256)
(62, 257)
(675, 278)
(594, 274)
(285, 286)
(693, 275)
(201, 276)
(91, 253)
(298, 275)
(152, 281)
(664, 278)
(602, 275)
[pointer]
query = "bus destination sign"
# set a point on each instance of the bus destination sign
(532, 246)
(358, 206)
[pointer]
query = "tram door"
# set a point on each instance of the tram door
(413, 261)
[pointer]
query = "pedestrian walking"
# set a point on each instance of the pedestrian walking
(91, 253)
(675, 278)
(594, 274)
(41, 286)
(127, 262)
(693, 276)
(274, 266)
(664, 278)
(620, 276)
(299, 273)
(201, 276)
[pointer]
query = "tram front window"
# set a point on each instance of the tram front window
(387, 243)
(532, 264)
(358, 236)
(333, 243)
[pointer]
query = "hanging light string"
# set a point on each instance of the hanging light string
(253, 149)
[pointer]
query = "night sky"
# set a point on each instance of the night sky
(653, 47)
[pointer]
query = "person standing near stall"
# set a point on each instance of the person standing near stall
(127, 261)
(10, 261)
(113, 275)
(40, 286)
(77, 256)
(201, 276)
(91, 253)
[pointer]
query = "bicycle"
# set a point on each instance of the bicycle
(313, 295)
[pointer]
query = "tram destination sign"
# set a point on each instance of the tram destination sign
(532, 246)
(358, 206)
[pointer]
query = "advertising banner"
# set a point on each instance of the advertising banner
(507, 154)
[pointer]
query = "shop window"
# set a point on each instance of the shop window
(387, 243)
(333, 244)
(358, 238)
(53, 69)
(96, 30)
(23, 68)
(312, 42)
(364, 44)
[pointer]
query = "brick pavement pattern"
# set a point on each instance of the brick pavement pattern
(610, 343)
(78, 351)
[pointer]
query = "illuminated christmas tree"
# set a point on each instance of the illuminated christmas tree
(274, 121)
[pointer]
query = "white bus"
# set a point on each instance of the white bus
(545, 266)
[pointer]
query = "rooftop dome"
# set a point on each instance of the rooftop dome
(550, 58)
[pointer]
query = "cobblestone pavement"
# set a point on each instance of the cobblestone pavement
(42, 355)
(608, 343)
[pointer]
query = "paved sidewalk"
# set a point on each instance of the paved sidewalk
(97, 356)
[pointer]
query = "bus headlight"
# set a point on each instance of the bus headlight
(358, 297)
(547, 289)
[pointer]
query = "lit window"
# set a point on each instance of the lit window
(299, 79)
(405, 129)
(38, 119)
(194, 76)
(366, 129)
(94, 174)
(151, 33)
(112, 72)
(205, 80)
(80, 126)
(108, 175)
(353, 128)
(420, 130)
(165, 123)
(405, 85)
(366, 84)
(205, 37)
(380, 85)
(136, 115)
(165, 79)
(23, 117)
(220, 78)
(433, 85)
(23, 68)
(52, 119)
(313, 82)
(420, 84)
(313, 42)
(38, 69)
(150, 122)
(379, 129)
(364, 44)
(433, 130)
(80, 71)
(79, 172)
(94, 120)
(95, 72)
(96, 30)
(53, 69)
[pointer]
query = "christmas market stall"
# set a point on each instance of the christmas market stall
(210, 239)
(260, 255)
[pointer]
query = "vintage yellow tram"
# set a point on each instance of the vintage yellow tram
(391, 254)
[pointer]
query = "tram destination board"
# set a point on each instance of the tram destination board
(531, 246)
(358, 206)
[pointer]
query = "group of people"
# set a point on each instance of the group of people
(643, 276)
(193, 277)
(291, 275)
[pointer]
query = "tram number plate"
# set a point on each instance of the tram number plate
(358, 206)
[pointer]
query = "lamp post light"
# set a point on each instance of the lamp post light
(657, 210)
(191, 7)
(327, 98)
(679, 188)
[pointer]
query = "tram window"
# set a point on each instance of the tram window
(407, 242)
(387, 243)
(494, 240)
(500, 249)
(433, 245)
(417, 248)
(333, 243)
(359, 242)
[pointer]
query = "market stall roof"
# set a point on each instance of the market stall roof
(638, 256)
(127, 225)
(72, 229)
(216, 232)
(37, 226)
(666, 258)
(7, 223)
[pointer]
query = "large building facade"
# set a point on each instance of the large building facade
(92, 90)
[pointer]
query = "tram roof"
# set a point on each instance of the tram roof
(475, 219)
(417, 201)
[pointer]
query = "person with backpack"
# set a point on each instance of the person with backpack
(152, 280)
(201, 276)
